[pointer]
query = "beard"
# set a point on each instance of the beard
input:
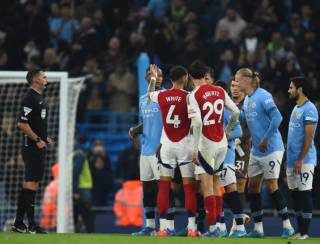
(294, 97)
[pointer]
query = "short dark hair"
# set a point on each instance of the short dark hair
(301, 81)
(198, 69)
(177, 72)
(31, 74)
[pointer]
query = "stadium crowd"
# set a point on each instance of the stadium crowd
(102, 39)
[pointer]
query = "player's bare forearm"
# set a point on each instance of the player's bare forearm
(153, 80)
(196, 130)
(26, 129)
(152, 85)
(309, 133)
(232, 121)
(235, 113)
(236, 132)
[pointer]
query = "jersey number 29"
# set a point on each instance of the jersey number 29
(216, 107)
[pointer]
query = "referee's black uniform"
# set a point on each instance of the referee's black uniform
(34, 112)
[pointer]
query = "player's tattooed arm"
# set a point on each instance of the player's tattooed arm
(235, 114)
(236, 131)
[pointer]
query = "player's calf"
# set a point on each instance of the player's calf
(191, 205)
(281, 206)
(163, 202)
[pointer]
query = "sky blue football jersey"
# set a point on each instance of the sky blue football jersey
(257, 111)
(301, 116)
(150, 116)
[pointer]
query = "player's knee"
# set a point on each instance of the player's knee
(253, 187)
(207, 189)
(188, 180)
(241, 185)
(254, 184)
(272, 185)
(231, 188)
(165, 178)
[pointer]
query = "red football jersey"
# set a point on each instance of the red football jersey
(211, 103)
(173, 105)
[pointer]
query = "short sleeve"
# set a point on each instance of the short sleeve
(154, 96)
(25, 110)
(310, 115)
(193, 108)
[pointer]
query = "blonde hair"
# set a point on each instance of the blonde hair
(246, 72)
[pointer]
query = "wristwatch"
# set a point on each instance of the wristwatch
(38, 139)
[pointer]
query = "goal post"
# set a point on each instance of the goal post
(62, 211)
(62, 95)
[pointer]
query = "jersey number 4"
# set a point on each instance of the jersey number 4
(216, 107)
(171, 118)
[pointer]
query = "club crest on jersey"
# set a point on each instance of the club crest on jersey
(26, 110)
(43, 113)
(252, 105)
(297, 115)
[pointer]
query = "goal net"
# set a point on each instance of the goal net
(61, 96)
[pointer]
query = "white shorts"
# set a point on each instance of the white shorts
(177, 154)
(149, 168)
(268, 165)
(198, 170)
(228, 175)
(213, 155)
(303, 181)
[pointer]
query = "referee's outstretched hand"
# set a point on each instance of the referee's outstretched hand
(41, 144)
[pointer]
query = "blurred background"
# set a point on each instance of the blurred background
(104, 40)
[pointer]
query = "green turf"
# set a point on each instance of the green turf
(11, 238)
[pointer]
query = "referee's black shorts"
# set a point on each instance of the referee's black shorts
(34, 163)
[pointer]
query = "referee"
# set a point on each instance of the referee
(32, 122)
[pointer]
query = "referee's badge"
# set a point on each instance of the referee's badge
(43, 113)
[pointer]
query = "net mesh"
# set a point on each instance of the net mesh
(12, 91)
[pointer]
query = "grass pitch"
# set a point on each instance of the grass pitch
(12, 238)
